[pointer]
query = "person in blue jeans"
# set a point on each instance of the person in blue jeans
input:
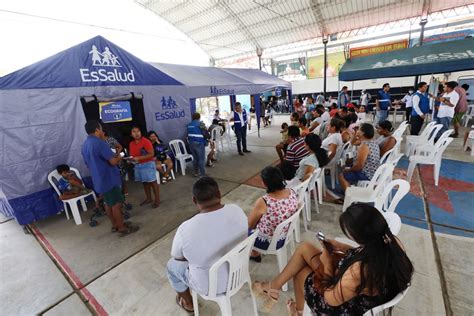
(240, 128)
(448, 102)
(383, 103)
(197, 143)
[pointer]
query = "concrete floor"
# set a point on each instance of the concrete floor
(127, 275)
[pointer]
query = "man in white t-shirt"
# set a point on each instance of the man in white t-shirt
(448, 100)
(202, 240)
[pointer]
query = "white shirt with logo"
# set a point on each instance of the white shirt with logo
(446, 110)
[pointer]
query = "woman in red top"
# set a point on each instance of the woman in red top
(142, 155)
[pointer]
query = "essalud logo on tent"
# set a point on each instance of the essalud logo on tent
(169, 106)
(102, 60)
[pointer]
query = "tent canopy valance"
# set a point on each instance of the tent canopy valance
(211, 81)
(429, 59)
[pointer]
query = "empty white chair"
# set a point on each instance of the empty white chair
(429, 132)
(238, 261)
(280, 234)
(469, 115)
(431, 158)
(425, 149)
(388, 203)
(53, 178)
(217, 135)
(181, 155)
(379, 310)
(470, 142)
(372, 191)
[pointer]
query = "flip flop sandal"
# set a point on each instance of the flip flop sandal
(115, 229)
(154, 205)
(145, 202)
(180, 302)
(128, 231)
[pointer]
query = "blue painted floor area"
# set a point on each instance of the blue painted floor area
(415, 223)
(463, 215)
(458, 170)
(411, 206)
(451, 231)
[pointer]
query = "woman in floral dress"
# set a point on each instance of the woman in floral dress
(271, 209)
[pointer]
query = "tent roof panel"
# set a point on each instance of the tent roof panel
(427, 59)
(95, 62)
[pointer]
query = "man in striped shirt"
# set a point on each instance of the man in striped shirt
(296, 149)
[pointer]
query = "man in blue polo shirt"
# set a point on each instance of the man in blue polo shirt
(102, 164)
(343, 97)
(383, 103)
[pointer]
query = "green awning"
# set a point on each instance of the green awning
(429, 59)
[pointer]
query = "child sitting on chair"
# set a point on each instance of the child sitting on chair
(69, 184)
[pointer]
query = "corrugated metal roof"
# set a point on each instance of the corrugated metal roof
(224, 28)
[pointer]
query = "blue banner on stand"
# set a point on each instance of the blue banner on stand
(113, 112)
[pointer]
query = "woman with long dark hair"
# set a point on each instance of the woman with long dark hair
(340, 280)
(277, 205)
(317, 158)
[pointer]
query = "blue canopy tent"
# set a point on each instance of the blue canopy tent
(203, 82)
(429, 59)
(43, 118)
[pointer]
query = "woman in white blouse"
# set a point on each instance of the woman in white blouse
(334, 139)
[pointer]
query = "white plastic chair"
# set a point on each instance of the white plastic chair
(428, 141)
(302, 194)
(181, 155)
(431, 158)
(282, 253)
(388, 203)
(379, 310)
(332, 165)
(238, 261)
(400, 130)
(53, 178)
(372, 191)
(470, 142)
(425, 149)
(316, 187)
(413, 140)
(217, 135)
(469, 115)
(158, 175)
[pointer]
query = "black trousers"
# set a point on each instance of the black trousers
(408, 113)
(241, 134)
(416, 123)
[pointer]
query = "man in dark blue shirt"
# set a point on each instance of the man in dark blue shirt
(343, 97)
(383, 103)
(102, 164)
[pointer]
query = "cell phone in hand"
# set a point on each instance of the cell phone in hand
(320, 236)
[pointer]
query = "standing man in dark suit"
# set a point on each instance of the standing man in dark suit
(240, 128)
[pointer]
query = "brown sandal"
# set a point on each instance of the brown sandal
(266, 295)
(289, 306)
(180, 302)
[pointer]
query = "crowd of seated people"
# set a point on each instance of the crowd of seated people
(333, 278)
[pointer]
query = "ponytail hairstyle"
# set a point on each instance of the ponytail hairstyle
(385, 269)
(314, 143)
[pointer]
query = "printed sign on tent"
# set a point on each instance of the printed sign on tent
(113, 112)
